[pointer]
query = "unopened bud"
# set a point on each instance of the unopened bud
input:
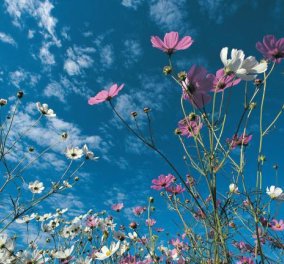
(146, 109)
(177, 131)
(252, 105)
(20, 94)
(3, 102)
(257, 82)
(64, 135)
(134, 114)
(151, 199)
(167, 70)
(76, 178)
(133, 225)
(182, 75)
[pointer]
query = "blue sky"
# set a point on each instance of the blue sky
(63, 52)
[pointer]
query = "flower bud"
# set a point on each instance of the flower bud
(3, 102)
(31, 149)
(133, 225)
(257, 82)
(146, 109)
(182, 75)
(64, 136)
(134, 114)
(151, 199)
(76, 178)
(167, 70)
(252, 105)
(177, 131)
(20, 94)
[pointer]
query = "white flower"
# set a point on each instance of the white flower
(44, 217)
(233, 188)
(26, 218)
(74, 153)
(107, 252)
(246, 69)
(67, 184)
(132, 236)
(6, 242)
(43, 108)
(274, 192)
(87, 260)
(63, 254)
(89, 154)
(36, 186)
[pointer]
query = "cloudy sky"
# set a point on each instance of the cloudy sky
(63, 52)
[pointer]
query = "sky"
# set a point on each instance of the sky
(63, 52)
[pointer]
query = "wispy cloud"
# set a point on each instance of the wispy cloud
(133, 4)
(55, 89)
(19, 76)
(46, 57)
(39, 10)
(7, 39)
(107, 56)
(132, 51)
(77, 59)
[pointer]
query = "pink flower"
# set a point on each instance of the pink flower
(239, 140)
(190, 126)
(163, 181)
(159, 229)
(138, 210)
(245, 260)
(177, 243)
(197, 85)
(150, 222)
(277, 225)
(117, 207)
(223, 81)
(92, 221)
(171, 42)
(106, 95)
(271, 48)
(177, 189)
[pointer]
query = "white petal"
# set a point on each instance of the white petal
(224, 55)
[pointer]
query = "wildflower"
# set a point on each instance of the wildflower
(6, 242)
(89, 154)
(67, 184)
(223, 81)
(177, 189)
(25, 219)
(163, 181)
(74, 153)
(196, 86)
(246, 69)
(106, 95)
(245, 260)
(171, 42)
(234, 188)
(271, 48)
(190, 126)
(277, 225)
(3, 102)
(242, 140)
(117, 207)
(43, 108)
(36, 186)
(138, 210)
(150, 222)
(63, 253)
(107, 252)
(274, 192)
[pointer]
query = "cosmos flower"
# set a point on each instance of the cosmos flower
(138, 210)
(190, 126)
(74, 153)
(117, 207)
(271, 48)
(106, 95)
(274, 192)
(177, 189)
(43, 108)
(89, 154)
(245, 260)
(163, 181)
(277, 225)
(234, 188)
(223, 81)
(246, 69)
(171, 42)
(197, 85)
(107, 252)
(150, 222)
(236, 140)
(63, 253)
(26, 218)
(36, 186)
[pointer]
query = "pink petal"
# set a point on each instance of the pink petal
(114, 90)
(184, 43)
(158, 43)
(100, 97)
(171, 40)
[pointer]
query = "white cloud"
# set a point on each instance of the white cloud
(7, 39)
(107, 56)
(40, 10)
(169, 15)
(134, 4)
(45, 55)
(132, 51)
(55, 89)
(31, 34)
(19, 76)
(78, 58)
